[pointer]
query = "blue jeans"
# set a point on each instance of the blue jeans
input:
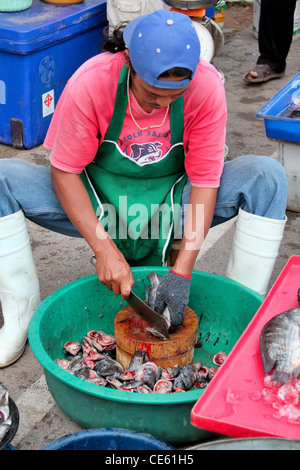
(256, 184)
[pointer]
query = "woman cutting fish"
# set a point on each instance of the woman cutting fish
(139, 132)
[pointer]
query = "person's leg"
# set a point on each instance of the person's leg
(256, 184)
(275, 35)
(24, 189)
(28, 187)
(253, 188)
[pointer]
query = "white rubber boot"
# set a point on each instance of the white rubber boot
(255, 249)
(19, 286)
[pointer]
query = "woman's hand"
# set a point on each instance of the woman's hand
(173, 291)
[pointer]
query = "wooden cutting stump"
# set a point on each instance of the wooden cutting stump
(131, 335)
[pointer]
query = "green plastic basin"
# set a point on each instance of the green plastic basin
(14, 5)
(224, 308)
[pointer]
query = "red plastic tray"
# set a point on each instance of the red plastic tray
(230, 405)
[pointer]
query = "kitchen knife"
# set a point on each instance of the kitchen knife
(154, 319)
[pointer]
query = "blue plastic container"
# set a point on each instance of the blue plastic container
(108, 439)
(40, 48)
(279, 127)
(210, 12)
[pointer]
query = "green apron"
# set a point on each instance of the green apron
(138, 205)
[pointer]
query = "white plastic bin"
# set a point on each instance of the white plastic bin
(289, 157)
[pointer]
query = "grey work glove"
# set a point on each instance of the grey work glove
(173, 291)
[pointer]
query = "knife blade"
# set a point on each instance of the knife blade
(154, 319)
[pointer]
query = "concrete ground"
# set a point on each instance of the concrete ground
(60, 259)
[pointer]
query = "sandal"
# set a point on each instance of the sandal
(264, 73)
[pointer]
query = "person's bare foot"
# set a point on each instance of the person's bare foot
(261, 73)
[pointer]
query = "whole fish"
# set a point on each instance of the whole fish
(280, 346)
(5, 418)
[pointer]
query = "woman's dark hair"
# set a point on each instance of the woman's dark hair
(115, 43)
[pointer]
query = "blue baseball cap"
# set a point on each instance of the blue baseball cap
(159, 42)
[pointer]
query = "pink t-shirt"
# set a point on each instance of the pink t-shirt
(85, 108)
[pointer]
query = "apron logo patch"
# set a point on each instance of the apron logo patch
(144, 154)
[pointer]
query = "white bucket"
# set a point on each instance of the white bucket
(256, 14)
(289, 157)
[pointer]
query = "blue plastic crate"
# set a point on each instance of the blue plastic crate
(40, 48)
(280, 127)
(210, 12)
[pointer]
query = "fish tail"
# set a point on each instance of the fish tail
(282, 377)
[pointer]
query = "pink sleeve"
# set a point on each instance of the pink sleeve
(205, 129)
(73, 133)
(83, 113)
